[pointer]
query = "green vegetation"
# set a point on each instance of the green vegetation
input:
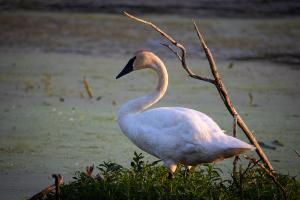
(149, 181)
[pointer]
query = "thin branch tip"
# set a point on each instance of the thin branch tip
(126, 13)
(194, 21)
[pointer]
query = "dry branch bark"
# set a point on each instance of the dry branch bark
(216, 81)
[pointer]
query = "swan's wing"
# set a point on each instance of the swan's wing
(181, 134)
(186, 121)
(171, 130)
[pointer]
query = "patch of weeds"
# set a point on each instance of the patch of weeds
(29, 85)
(144, 180)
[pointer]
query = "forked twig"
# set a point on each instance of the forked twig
(175, 52)
(175, 43)
(216, 81)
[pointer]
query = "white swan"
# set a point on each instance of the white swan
(173, 134)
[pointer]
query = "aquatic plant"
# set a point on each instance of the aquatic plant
(144, 180)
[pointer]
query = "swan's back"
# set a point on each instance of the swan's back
(186, 121)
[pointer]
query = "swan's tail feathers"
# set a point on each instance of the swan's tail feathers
(230, 152)
(235, 147)
(237, 151)
(246, 147)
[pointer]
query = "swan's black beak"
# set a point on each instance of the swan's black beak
(127, 69)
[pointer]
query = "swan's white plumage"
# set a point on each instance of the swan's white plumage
(174, 134)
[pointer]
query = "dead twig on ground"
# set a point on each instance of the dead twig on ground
(89, 172)
(58, 181)
(216, 81)
(88, 87)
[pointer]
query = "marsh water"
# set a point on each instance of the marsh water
(50, 125)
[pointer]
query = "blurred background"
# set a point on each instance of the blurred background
(49, 124)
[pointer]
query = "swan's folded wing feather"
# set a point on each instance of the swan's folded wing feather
(181, 121)
(172, 130)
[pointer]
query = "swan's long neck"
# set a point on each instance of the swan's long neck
(142, 103)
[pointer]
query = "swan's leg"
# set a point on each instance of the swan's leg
(187, 170)
(171, 175)
(171, 167)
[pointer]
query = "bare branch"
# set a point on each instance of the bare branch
(234, 125)
(234, 173)
(156, 28)
(236, 158)
(225, 97)
(170, 48)
(175, 43)
(213, 66)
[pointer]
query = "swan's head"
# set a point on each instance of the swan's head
(142, 59)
